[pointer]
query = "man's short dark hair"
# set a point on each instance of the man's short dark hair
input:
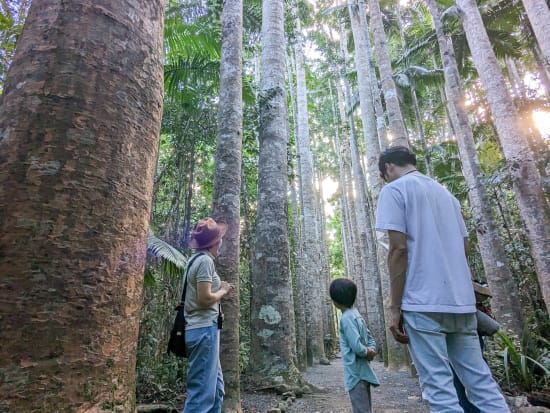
(343, 291)
(398, 155)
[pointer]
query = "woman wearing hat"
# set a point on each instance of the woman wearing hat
(205, 389)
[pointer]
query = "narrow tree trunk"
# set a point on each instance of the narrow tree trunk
(544, 71)
(299, 284)
(312, 255)
(368, 119)
(418, 117)
(79, 126)
(350, 258)
(506, 300)
(527, 183)
(326, 276)
(357, 252)
(397, 126)
(227, 187)
(370, 277)
(539, 17)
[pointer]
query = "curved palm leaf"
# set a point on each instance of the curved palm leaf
(184, 76)
(172, 261)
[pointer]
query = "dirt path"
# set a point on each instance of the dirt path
(398, 393)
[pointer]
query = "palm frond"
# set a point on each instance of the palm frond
(189, 39)
(424, 44)
(504, 43)
(172, 261)
(184, 76)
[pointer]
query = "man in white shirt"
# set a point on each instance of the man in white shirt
(432, 299)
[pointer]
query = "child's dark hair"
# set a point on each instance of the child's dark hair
(343, 291)
(398, 155)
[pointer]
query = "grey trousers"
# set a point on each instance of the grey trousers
(360, 397)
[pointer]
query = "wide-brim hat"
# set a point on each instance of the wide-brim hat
(206, 233)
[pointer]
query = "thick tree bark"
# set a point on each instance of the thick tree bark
(526, 179)
(227, 187)
(272, 320)
(79, 127)
(506, 302)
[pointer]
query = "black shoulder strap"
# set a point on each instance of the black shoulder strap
(186, 271)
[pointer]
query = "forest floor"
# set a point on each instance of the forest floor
(398, 392)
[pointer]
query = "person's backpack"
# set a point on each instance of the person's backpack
(176, 344)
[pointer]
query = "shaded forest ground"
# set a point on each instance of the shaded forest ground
(398, 393)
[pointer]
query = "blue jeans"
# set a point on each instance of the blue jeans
(439, 340)
(462, 398)
(204, 374)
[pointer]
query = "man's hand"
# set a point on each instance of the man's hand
(396, 327)
(226, 287)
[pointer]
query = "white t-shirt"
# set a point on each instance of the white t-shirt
(438, 277)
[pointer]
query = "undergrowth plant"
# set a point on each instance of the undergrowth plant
(524, 372)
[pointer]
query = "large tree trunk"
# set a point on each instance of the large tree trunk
(527, 182)
(539, 17)
(272, 321)
(311, 251)
(227, 186)
(397, 126)
(79, 122)
(506, 301)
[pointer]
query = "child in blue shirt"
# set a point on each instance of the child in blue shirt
(356, 345)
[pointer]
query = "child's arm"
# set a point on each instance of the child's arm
(371, 346)
(355, 341)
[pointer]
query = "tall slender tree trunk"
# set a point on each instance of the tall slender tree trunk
(506, 301)
(544, 71)
(312, 254)
(272, 318)
(79, 125)
(352, 265)
(397, 126)
(299, 283)
(227, 192)
(527, 182)
(539, 17)
(328, 309)
(371, 276)
(372, 145)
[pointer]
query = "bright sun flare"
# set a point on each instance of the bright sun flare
(542, 122)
